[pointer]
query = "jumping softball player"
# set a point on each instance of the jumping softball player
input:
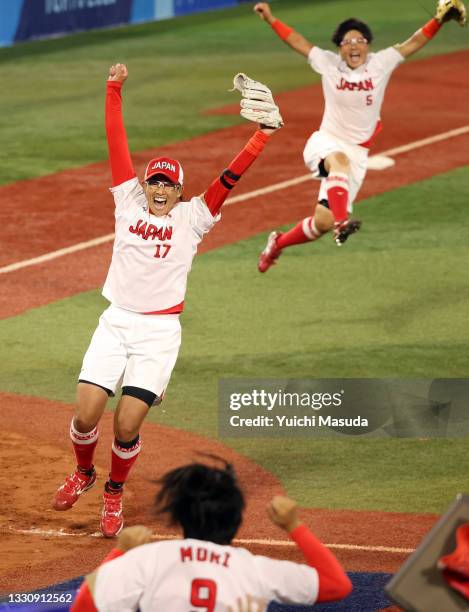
(136, 343)
(354, 81)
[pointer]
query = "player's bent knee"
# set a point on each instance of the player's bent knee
(91, 402)
(338, 161)
(125, 431)
(84, 425)
(87, 417)
(150, 398)
(342, 159)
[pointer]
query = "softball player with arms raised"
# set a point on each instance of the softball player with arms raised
(203, 571)
(136, 343)
(354, 81)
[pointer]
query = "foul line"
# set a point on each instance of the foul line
(241, 198)
(388, 549)
(60, 533)
(55, 254)
(427, 141)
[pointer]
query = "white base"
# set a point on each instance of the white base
(380, 162)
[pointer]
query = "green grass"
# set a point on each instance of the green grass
(389, 475)
(392, 303)
(52, 94)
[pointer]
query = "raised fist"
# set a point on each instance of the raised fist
(283, 512)
(118, 72)
(263, 10)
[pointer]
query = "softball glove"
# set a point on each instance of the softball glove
(447, 10)
(257, 103)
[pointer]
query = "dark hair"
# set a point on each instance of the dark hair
(351, 24)
(206, 501)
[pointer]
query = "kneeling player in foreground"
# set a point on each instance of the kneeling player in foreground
(136, 343)
(354, 81)
(203, 571)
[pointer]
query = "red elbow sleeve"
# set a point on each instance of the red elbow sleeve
(220, 188)
(119, 155)
(333, 581)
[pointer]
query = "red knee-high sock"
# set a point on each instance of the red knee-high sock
(337, 194)
(124, 455)
(84, 445)
(304, 231)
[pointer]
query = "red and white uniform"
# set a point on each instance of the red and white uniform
(353, 101)
(191, 575)
(138, 337)
(152, 256)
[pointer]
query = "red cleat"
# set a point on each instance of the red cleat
(270, 254)
(74, 485)
(112, 520)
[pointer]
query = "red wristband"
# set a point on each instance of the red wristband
(281, 29)
(431, 28)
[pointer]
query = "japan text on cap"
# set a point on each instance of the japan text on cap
(170, 168)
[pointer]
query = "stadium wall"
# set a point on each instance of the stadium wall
(22, 20)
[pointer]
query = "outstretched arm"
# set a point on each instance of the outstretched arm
(119, 155)
(293, 39)
(258, 105)
(333, 581)
(446, 10)
(419, 39)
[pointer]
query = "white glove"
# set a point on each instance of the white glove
(446, 10)
(258, 104)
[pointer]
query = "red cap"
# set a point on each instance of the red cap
(170, 168)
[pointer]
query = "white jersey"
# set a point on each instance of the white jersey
(152, 256)
(353, 97)
(192, 575)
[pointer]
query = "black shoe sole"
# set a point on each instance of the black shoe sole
(351, 228)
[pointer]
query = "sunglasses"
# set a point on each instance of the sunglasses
(353, 41)
(163, 185)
